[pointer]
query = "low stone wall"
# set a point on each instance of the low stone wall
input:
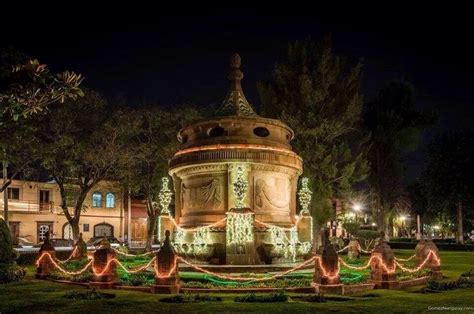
(413, 282)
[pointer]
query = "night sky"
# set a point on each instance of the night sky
(137, 55)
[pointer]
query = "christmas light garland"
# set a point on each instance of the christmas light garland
(239, 228)
(304, 195)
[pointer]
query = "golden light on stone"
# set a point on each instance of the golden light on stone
(238, 167)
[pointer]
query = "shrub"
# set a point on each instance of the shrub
(11, 272)
(267, 298)
(88, 295)
(191, 298)
(6, 244)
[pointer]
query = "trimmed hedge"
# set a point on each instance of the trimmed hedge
(30, 257)
(441, 246)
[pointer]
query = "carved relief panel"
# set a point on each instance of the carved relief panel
(202, 194)
(272, 192)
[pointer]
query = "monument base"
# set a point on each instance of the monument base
(329, 289)
(164, 289)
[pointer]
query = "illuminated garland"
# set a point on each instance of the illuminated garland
(240, 186)
(238, 278)
(69, 258)
(304, 195)
(165, 196)
(58, 267)
(134, 255)
(239, 229)
(406, 259)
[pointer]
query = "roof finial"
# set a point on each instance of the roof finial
(235, 103)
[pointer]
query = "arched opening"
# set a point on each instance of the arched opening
(261, 132)
(96, 199)
(67, 231)
(216, 131)
(109, 200)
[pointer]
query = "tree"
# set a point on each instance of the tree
(154, 142)
(317, 94)
(394, 124)
(449, 178)
(81, 145)
(26, 88)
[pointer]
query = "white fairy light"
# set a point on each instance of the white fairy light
(165, 196)
(239, 229)
(304, 195)
(240, 186)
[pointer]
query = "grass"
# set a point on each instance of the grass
(42, 296)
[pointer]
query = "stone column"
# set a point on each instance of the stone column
(166, 269)
(353, 251)
(383, 266)
(45, 265)
(430, 253)
(104, 277)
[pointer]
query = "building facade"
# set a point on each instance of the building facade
(34, 209)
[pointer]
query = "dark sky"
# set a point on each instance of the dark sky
(147, 58)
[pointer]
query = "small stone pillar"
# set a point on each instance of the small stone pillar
(382, 271)
(433, 261)
(166, 269)
(103, 277)
(305, 227)
(326, 273)
(353, 251)
(419, 251)
(80, 249)
(45, 265)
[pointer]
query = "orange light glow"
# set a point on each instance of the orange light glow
(235, 146)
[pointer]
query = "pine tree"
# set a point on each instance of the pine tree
(317, 94)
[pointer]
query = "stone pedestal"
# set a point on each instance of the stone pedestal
(353, 251)
(166, 269)
(326, 273)
(45, 265)
(105, 275)
(383, 266)
(419, 251)
(429, 252)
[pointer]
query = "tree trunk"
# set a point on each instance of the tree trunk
(5, 193)
(75, 229)
(460, 232)
(150, 232)
(390, 228)
(380, 218)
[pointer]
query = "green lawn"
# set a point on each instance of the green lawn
(41, 296)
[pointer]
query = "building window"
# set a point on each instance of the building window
(103, 229)
(85, 228)
(67, 232)
(43, 228)
(110, 200)
(96, 199)
(14, 194)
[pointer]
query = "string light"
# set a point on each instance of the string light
(240, 186)
(70, 256)
(57, 266)
(239, 229)
(171, 271)
(405, 259)
(304, 195)
(164, 196)
(238, 278)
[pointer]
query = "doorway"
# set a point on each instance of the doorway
(14, 231)
(44, 200)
